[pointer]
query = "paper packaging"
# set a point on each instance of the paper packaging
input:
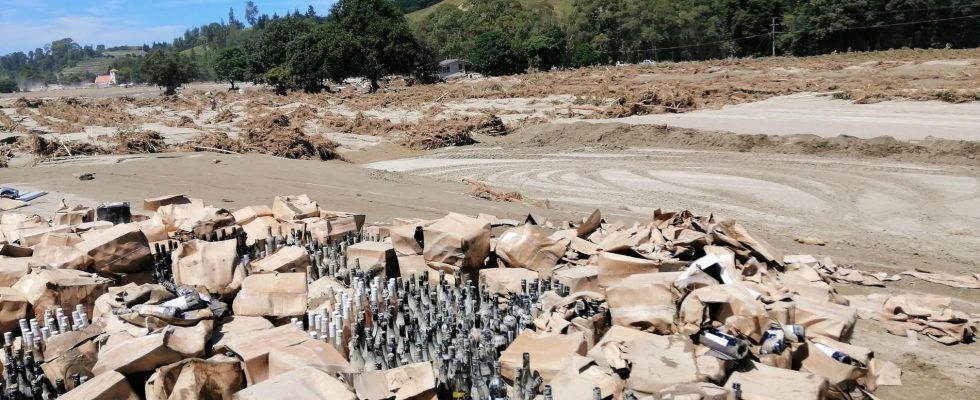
(457, 240)
(13, 307)
(372, 256)
(313, 353)
(139, 354)
(255, 348)
(733, 305)
(73, 215)
(290, 208)
(824, 318)
(548, 353)
(47, 289)
(258, 229)
(71, 352)
(216, 378)
(759, 383)
(647, 307)
(654, 362)
(121, 249)
(579, 375)
(248, 214)
(211, 267)
(400, 383)
(403, 237)
(108, 386)
(527, 247)
(580, 279)
(61, 256)
(307, 383)
(615, 267)
(287, 259)
(12, 269)
(166, 200)
(505, 280)
(272, 295)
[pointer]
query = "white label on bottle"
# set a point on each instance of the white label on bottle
(825, 349)
(716, 338)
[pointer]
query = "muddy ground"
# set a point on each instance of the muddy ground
(608, 138)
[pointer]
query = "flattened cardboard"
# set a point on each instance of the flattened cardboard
(757, 384)
(527, 247)
(290, 208)
(120, 249)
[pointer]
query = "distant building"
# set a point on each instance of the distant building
(106, 80)
(454, 68)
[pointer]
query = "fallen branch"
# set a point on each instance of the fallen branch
(215, 149)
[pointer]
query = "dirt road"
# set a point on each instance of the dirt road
(816, 114)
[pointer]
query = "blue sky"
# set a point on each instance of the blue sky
(29, 24)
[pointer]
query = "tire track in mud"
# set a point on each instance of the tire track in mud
(886, 206)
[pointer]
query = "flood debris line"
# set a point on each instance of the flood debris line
(295, 301)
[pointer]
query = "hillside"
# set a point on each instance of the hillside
(561, 7)
(99, 65)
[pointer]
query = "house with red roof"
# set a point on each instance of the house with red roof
(106, 80)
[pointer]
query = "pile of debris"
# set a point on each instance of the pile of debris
(295, 301)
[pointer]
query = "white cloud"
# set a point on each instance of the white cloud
(22, 36)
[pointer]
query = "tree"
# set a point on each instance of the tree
(310, 12)
(7, 86)
(493, 54)
(251, 12)
(546, 50)
(168, 69)
(231, 65)
(381, 40)
(585, 55)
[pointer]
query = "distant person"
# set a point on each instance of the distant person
(214, 103)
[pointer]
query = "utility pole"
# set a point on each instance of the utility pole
(773, 36)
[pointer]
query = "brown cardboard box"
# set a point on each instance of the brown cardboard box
(287, 259)
(613, 267)
(13, 307)
(235, 325)
(527, 247)
(139, 354)
(579, 279)
(758, 384)
(73, 215)
(408, 265)
(272, 295)
(307, 383)
(729, 304)
(457, 240)
(312, 353)
(579, 375)
(122, 249)
(254, 347)
(12, 269)
(217, 378)
(643, 306)
(245, 215)
(655, 362)
(400, 383)
(108, 386)
(32, 236)
(47, 288)
(824, 318)
(403, 237)
(548, 353)
(290, 208)
(258, 229)
(211, 267)
(372, 256)
(155, 203)
(505, 280)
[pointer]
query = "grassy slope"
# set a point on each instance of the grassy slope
(99, 65)
(561, 7)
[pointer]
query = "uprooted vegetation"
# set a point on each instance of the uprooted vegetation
(274, 134)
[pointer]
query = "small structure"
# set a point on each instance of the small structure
(453, 68)
(106, 80)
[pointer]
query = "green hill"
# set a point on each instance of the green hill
(99, 65)
(561, 7)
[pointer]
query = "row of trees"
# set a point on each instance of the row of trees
(372, 38)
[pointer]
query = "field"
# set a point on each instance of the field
(874, 153)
